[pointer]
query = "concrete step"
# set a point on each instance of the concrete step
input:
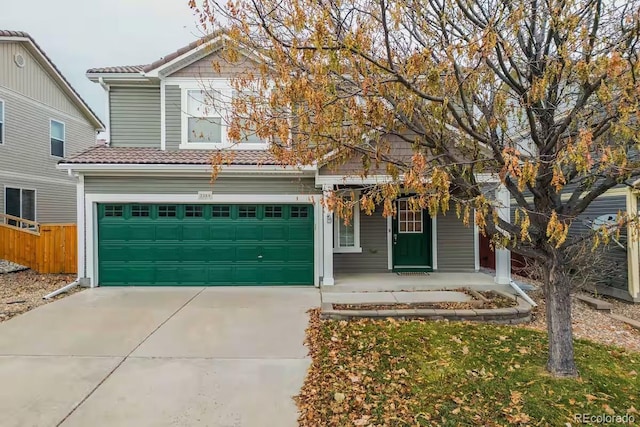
(596, 303)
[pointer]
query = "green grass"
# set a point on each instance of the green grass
(452, 374)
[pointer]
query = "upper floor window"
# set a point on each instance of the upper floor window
(1, 121)
(207, 115)
(57, 138)
(204, 121)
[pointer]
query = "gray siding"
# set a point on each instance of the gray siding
(134, 116)
(456, 249)
(32, 80)
(25, 156)
(617, 256)
(373, 239)
(178, 185)
(55, 201)
(173, 116)
(204, 67)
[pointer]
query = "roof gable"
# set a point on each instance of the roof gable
(50, 68)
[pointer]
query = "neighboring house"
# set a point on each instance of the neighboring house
(42, 120)
(152, 216)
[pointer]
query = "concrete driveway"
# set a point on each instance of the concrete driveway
(157, 357)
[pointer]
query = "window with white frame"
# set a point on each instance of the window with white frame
(205, 116)
(346, 236)
(20, 202)
(57, 138)
(1, 121)
(248, 133)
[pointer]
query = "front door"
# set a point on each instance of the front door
(411, 239)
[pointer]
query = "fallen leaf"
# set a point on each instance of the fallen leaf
(339, 397)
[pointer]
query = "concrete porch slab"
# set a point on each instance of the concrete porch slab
(387, 282)
(41, 391)
(195, 392)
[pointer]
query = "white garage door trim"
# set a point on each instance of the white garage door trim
(91, 209)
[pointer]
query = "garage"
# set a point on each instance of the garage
(205, 244)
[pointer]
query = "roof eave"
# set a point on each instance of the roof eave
(177, 167)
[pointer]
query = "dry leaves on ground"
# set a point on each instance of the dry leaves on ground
(23, 291)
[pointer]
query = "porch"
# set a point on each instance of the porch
(388, 281)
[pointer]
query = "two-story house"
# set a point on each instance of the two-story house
(152, 215)
(42, 120)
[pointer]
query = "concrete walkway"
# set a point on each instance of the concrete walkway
(157, 357)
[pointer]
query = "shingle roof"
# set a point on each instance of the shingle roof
(156, 156)
(22, 34)
(118, 69)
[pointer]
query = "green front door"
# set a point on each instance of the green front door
(173, 245)
(411, 239)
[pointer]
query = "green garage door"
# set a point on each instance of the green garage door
(169, 244)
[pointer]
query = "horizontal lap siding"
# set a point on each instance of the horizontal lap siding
(456, 244)
(135, 116)
(176, 185)
(373, 239)
(55, 202)
(173, 116)
(617, 256)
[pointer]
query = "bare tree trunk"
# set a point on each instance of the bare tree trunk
(558, 300)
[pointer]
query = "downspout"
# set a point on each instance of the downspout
(107, 89)
(80, 217)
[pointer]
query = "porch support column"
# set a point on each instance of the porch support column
(327, 227)
(633, 246)
(503, 256)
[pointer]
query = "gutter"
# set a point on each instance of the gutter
(62, 289)
(522, 293)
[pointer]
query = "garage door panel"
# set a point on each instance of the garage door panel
(269, 249)
(222, 252)
(170, 232)
(195, 232)
(248, 231)
(299, 252)
(275, 232)
(222, 232)
(141, 231)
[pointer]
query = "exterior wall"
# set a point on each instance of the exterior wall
(204, 68)
(373, 239)
(610, 203)
(32, 80)
(55, 201)
(173, 116)
(25, 155)
(181, 185)
(134, 116)
(456, 247)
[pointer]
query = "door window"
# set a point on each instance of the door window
(408, 220)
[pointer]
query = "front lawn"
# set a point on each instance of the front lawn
(389, 373)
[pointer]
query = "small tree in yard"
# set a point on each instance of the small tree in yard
(542, 94)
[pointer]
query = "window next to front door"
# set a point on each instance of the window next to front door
(20, 202)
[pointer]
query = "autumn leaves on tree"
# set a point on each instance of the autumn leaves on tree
(543, 95)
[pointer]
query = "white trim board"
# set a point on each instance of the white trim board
(91, 202)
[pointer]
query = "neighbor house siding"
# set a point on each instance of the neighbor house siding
(373, 239)
(25, 155)
(134, 116)
(173, 116)
(177, 185)
(456, 247)
(55, 201)
(607, 204)
(32, 80)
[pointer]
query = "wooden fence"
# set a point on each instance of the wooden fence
(45, 248)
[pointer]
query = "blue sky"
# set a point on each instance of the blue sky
(81, 34)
